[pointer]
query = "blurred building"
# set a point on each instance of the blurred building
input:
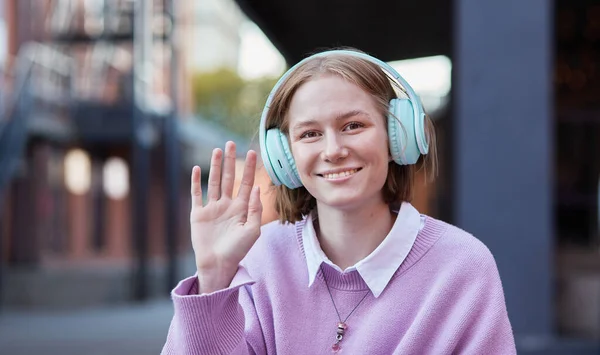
(94, 165)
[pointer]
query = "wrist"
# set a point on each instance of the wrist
(212, 280)
(208, 283)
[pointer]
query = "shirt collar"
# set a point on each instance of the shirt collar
(378, 267)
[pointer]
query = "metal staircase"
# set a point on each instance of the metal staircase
(37, 83)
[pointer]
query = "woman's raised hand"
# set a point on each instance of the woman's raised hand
(223, 230)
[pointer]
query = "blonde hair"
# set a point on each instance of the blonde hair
(292, 204)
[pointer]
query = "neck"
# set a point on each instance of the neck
(347, 237)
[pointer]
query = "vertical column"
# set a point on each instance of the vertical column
(141, 144)
(502, 133)
(172, 155)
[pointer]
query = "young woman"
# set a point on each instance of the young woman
(351, 265)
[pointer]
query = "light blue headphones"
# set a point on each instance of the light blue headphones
(406, 131)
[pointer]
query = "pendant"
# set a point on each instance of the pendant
(341, 329)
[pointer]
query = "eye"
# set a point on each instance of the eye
(309, 134)
(352, 126)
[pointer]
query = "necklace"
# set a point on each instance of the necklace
(341, 326)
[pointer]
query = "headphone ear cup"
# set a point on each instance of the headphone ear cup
(281, 159)
(401, 132)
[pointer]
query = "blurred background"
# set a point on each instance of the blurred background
(105, 106)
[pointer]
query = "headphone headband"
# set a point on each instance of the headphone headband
(412, 96)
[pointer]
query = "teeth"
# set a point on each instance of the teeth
(338, 175)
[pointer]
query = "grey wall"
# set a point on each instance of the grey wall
(502, 131)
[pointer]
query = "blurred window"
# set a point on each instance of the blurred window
(78, 171)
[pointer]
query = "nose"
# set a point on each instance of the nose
(334, 149)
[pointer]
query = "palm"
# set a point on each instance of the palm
(225, 228)
(219, 228)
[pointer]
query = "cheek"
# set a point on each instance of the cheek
(379, 146)
(301, 158)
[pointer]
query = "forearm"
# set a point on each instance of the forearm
(208, 323)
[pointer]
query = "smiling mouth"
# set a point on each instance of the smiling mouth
(340, 174)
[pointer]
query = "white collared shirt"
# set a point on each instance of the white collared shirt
(378, 267)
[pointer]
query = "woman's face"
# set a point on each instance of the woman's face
(339, 142)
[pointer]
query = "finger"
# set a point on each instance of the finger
(196, 188)
(248, 176)
(254, 209)
(214, 176)
(228, 170)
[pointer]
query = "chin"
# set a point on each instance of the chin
(343, 202)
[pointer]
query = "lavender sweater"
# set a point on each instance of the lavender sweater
(446, 298)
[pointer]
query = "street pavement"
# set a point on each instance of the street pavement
(128, 329)
(142, 329)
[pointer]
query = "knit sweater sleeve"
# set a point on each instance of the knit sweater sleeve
(222, 322)
(486, 328)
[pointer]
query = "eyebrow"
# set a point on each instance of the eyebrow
(339, 117)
